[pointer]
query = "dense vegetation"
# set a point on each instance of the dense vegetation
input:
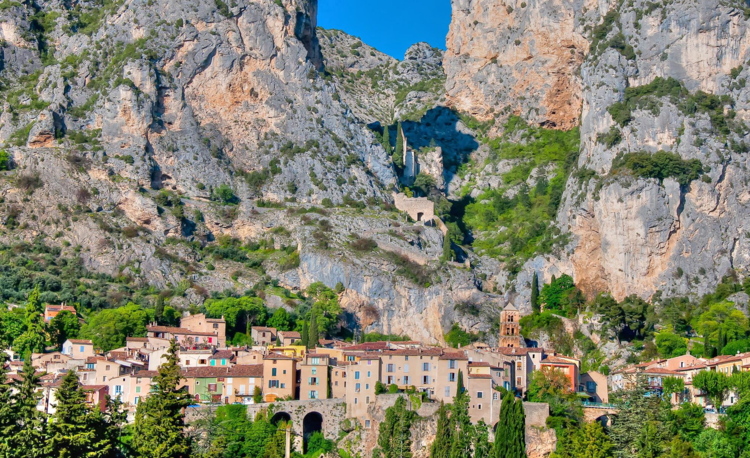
(514, 221)
(659, 165)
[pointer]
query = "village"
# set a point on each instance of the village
(277, 369)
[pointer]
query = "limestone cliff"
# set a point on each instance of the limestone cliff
(564, 64)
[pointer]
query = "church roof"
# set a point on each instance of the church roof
(511, 307)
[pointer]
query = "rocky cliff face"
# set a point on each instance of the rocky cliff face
(513, 57)
(567, 64)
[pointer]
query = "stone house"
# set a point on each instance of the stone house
(51, 311)
(360, 389)
(78, 348)
(184, 337)
(279, 377)
(314, 377)
(594, 385)
(199, 323)
(287, 338)
(263, 336)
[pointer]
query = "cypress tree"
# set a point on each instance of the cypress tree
(535, 292)
(387, 140)
(510, 437)
(441, 446)
(8, 416)
(304, 335)
(160, 418)
(394, 434)
(398, 153)
(159, 310)
(460, 446)
(75, 430)
(29, 440)
(459, 384)
(314, 335)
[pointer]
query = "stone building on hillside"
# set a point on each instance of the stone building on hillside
(420, 209)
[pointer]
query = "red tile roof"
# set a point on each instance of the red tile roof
(180, 331)
(81, 341)
(480, 376)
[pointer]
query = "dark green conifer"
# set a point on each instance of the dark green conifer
(314, 335)
(160, 418)
(535, 293)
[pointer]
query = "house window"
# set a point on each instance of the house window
(187, 363)
(314, 371)
(316, 361)
(494, 396)
(357, 387)
(273, 384)
(216, 325)
(80, 349)
(479, 407)
(426, 367)
(518, 381)
(356, 401)
(406, 368)
(283, 385)
(312, 380)
(273, 372)
(390, 368)
(223, 362)
(369, 374)
(452, 364)
(356, 375)
(201, 361)
(447, 391)
(406, 379)
(367, 400)
(389, 380)
(313, 395)
(138, 389)
(451, 376)
(406, 358)
(118, 390)
(213, 362)
(519, 366)
(107, 368)
(137, 400)
(479, 395)
(89, 366)
(367, 423)
(425, 380)
(212, 387)
(591, 387)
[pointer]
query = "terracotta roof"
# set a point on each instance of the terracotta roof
(415, 352)
(94, 359)
(81, 341)
(661, 371)
(290, 334)
(369, 346)
(369, 358)
(480, 376)
(317, 355)
(247, 370)
(278, 356)
(93, 387)
(136, 339)
(263, 328)
(513, 351)
(180, 331)
(145, 374)
(478, 364)
(549, 359)
(454, 356)
(59, 308)
(223, 354)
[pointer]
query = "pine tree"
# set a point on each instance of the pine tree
(8, 416)
(459, 383)
(75, 430)
(314, 335)
(304, 339)
(160, 418)
(441, 446)
(535, 293)
(394, 434)
(29, 440)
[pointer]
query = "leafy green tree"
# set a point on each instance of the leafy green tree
(457, 337)
(651, 441)
(240, 313)
(4, 160)
(109, 328)
(65, 325)
(562, 296)
(280, 320)
(722, 323)
(715, 384)
(640, 417)
(317, 443)
(160, 418)
(535, 293)
(687, 421)
(394, 435)
(12, 325)
(224, 194)
(423, 184)
(590, 441)
(672, 385)
(481, 440)
(670, 345)
(29, 438)
(325, 307)
(75, 430)
(678, 448)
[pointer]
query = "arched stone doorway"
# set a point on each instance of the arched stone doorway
(281, 417)
(312, 423)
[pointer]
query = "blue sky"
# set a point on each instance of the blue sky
(390, 26)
